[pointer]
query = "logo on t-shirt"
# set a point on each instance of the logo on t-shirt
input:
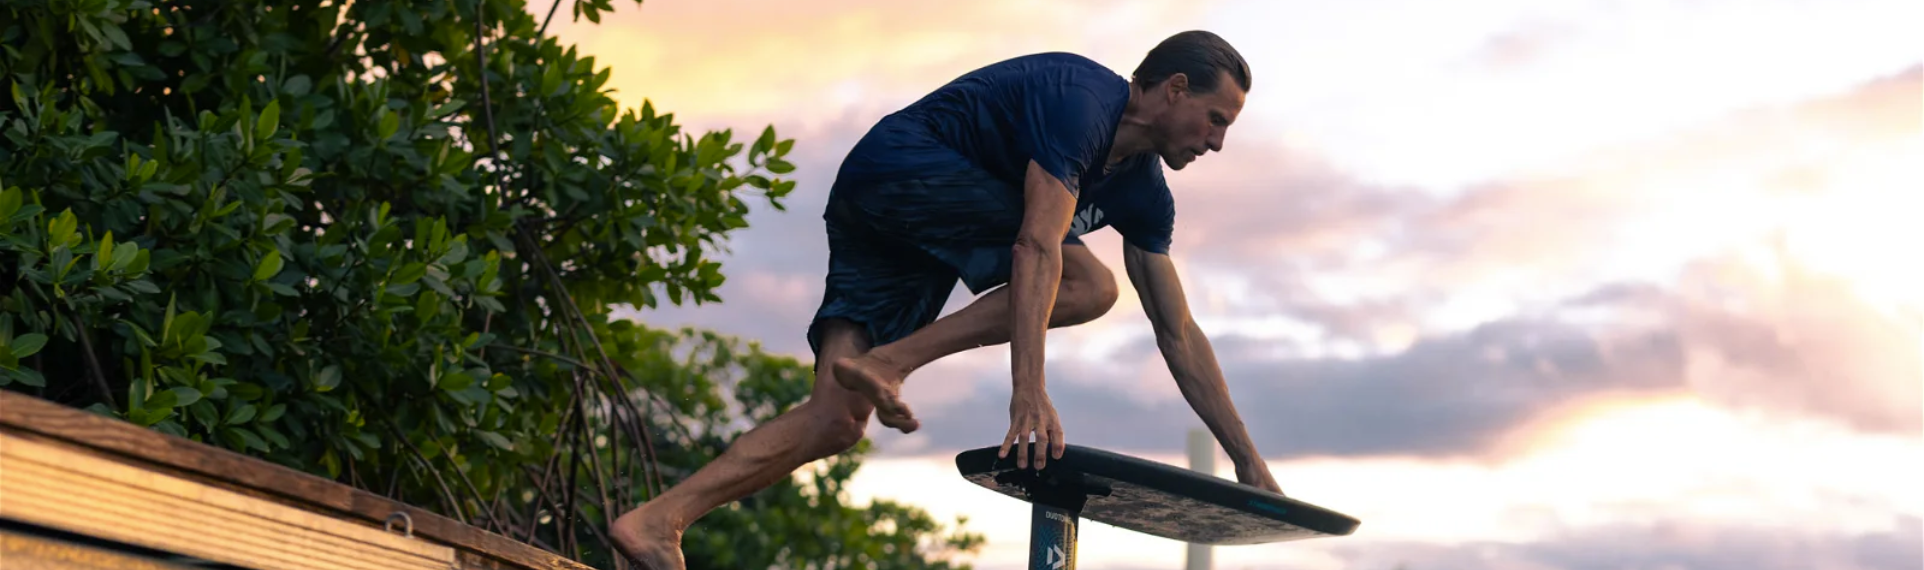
(1086, 220)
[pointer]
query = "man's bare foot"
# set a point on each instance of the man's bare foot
(649, 542)
(881, 384)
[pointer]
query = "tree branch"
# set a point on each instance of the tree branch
(572, 313)
(544, 21)
(94, 371)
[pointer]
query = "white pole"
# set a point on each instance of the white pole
(1202, 457)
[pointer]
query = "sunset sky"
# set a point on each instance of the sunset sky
(1544, 285)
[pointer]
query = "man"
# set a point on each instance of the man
(991, 179)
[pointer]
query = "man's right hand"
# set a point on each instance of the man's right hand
(1031, 413)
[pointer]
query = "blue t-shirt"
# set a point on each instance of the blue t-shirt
(1059, 109)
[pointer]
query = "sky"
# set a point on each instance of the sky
(1544, 285)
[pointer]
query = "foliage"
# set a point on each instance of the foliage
(313, 232)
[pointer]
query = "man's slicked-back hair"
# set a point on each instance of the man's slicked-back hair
(1200, 55)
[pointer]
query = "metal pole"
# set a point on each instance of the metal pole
(1202, 457)
(1052, 537)
(1053, 520)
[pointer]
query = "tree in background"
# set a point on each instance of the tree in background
(379, 241)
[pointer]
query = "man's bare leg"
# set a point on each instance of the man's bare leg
(830, 422)
(1087, 291)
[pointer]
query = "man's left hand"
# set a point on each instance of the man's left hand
(1255, 473)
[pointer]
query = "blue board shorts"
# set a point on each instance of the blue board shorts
(897, 248)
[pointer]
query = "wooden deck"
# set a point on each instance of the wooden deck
(78, 490)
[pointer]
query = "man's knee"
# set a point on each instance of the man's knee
(1086, 293)
(836, 428)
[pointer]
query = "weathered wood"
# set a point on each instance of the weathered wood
(24, 551)
(26, 416)
(57, 488)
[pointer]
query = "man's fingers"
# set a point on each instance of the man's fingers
(1041, 447)
(1055, 435)
(1022, 439)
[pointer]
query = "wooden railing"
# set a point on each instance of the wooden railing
(79, 490)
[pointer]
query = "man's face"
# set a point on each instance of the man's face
(1192, 123)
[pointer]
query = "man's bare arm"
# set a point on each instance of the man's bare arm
(1048, 207)
(1034, 278)
(1186, 349)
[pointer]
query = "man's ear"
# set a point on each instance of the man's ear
(1177, 84)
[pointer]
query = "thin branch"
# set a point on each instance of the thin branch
(561, 435)
(487, 101)
(493, 520)
(635, 428)
(573, 312)
(94, 371)
(448, 502)
(419, 457)
(548, 469)
(574, 476)
(593, 529)
(544, 21)
(394, 484)
(608, 512)
(542, 353)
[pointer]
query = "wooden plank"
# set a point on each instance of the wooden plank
(21, 414)
(55, 488)
(24, 551)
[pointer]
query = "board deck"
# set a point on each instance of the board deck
(1164, 500)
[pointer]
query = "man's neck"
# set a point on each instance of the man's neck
(1132, 134)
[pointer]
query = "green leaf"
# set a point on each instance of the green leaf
(140, 334)
(116, 36)
(269, 266)
(139, 265)
(273, 413)
(248, 438)
(497, 440)
(184, 396)
(247, 390)
(388, 124)
(297, 85)
(453, 104)
(27, 212)
(270, 121)
(104, 251)
(123, 257)
(274, 224)
(61, 229)
(241, 414)
(367, 440)
(25, 345)
(454, 380)
(273, 436)
(10, 200)
(328, 378)
(28, 376)
(409, 273)
(167, 323)
(164, 400)
(332, 462)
